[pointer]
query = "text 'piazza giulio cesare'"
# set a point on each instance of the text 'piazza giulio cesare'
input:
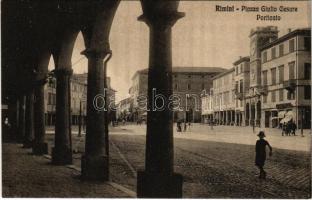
(263, 13)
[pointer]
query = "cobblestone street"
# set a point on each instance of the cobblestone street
(27, 175)
(215, 164)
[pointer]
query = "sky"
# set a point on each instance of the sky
(203, 38)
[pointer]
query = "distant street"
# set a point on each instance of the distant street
(215, 164)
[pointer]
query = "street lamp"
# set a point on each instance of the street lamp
(83, 99)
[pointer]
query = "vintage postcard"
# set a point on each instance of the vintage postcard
(156, 99)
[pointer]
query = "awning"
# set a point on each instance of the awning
(282, 121)
(285, 120)
(281, 114)
(290, 114)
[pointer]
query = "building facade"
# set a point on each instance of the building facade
(286, 76)
(242, 84)
(187, 84)
(224, 98)
(207, 106)
(78, 87)
(270, 86)
(124, 109)
(258, 38)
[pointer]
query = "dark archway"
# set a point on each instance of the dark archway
(258, 117)
(247, 114)
(252, 114)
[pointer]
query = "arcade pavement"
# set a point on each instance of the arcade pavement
(26, 175)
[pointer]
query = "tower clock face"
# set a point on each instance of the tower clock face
(253, 75)
(253, 48)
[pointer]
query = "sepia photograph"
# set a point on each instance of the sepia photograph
(156, 99)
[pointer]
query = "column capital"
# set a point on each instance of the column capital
(161, 20)
(40, 82)
(63, 72)
(39, 78)
(94, 53)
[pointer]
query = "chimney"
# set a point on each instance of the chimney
(289, 30)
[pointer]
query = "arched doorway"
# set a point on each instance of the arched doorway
(247, 114)
(258, 119)
(252, 114)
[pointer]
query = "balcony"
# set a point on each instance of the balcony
(239, 95)
(263, 90)
(290, 84)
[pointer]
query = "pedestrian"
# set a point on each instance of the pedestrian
(261, 153)
(185, 126)
(284, 129)
(6, 129)
(189, 126)
(178, 126)
(253, 126)
(294, 128)
(288, 128)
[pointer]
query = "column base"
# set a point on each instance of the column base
(154, 185)
(62, 156)
(40, 148)
(19, 139)
(28, 144)
(94, 168)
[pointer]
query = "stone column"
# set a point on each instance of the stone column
(40, 147)
(221, 117)
(62, 151)
(95, 161)
(230, 116)
(13, 118)
(159, 180)
(262, 119)
(256, 115)
(225, 118)
(21, 119)
(250, 115)
(236, 119)
(242, 119)
(29, 119)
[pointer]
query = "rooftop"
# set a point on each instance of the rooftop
(301, 31)
(192, 70)
(242, 59)
(224, 73)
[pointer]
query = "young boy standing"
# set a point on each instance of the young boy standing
(261, 153)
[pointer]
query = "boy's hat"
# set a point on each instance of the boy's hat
(261, 134)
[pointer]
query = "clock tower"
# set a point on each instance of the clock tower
(258, 38)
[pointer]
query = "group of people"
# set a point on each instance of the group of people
(288, 128)
(185, 126)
